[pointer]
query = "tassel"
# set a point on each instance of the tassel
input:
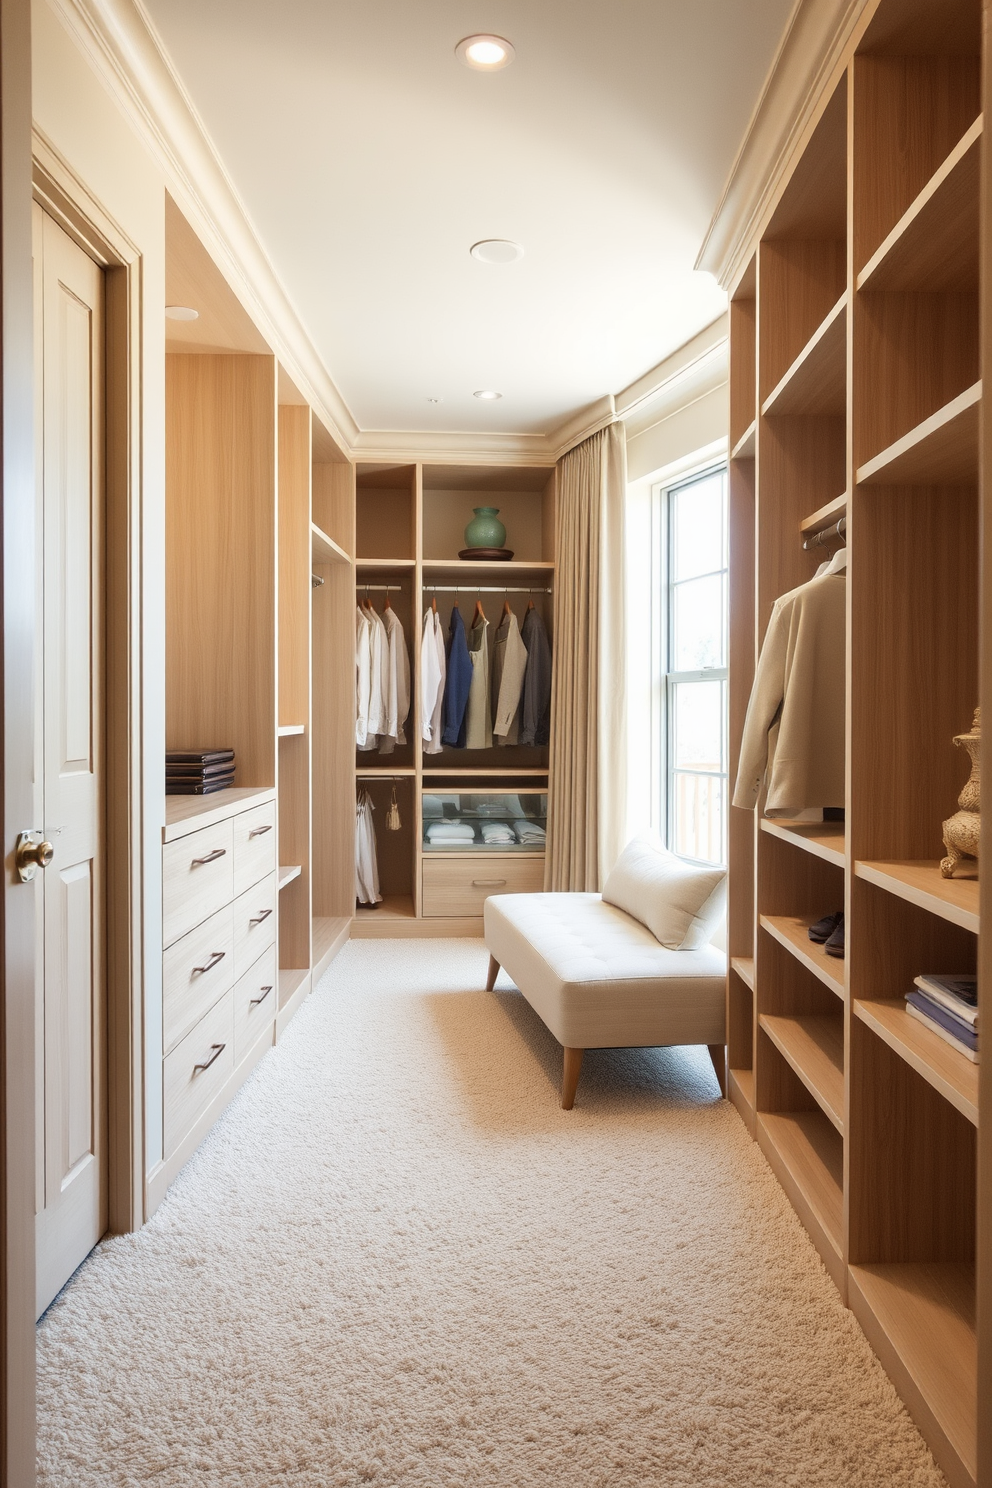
(393, 822)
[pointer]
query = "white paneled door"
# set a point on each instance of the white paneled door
(72, 1034)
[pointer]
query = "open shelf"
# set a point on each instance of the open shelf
(290, 983)
(814, 1047)
(385, 565)
(286, 875)
(827, 516)
(744, 967)
(287, 730)
(941, 451)
(816, 383)
(791, 933)
(950, 1073)
(954, 899)
(808, 1157)
(393, 907)
(328, 934)
(920, 1319)
(744, 1080)
(933, 248)
(372, 772)
(188, 813)
(515, 774)
(824, 840)
(324, 549)
(744, 448)
(449, 567)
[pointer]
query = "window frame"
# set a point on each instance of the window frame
(665, 679)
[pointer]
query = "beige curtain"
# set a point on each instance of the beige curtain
(587, 785)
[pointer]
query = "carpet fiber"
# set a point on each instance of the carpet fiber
(395, 1261)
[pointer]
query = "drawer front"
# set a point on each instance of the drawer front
(197, 1070)
(197, 879)
(461, 886)
(254, 923)
(255, 997)
(196, 970)
(254, 845)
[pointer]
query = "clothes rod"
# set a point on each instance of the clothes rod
(825, 535)
(453, 589)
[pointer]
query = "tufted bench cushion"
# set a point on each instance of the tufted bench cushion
(599, 979)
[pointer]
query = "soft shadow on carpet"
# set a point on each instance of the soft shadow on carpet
(396, 1261)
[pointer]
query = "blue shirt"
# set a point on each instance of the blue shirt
(457, 682)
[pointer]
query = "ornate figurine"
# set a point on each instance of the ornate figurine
(962, 829)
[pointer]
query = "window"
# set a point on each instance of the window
(691, 666)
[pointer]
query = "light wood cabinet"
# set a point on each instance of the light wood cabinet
(856, 393)
(461, 885)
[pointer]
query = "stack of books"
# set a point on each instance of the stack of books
(198, 772)
(948, 1006)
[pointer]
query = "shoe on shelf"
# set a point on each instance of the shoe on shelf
(823, 929)
(835, 944)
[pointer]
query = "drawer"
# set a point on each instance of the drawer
(255, 997)
(197, 879)
(254, 923)
(461, 886)
(196, 970)
(197, 1070)
(254, 845)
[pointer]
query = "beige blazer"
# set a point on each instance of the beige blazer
(794, 730)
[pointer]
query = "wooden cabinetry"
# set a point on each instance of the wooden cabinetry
(855, 393)
(410, 525)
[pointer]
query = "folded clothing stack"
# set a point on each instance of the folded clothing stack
(948, 1005)
(530, 833)
(450, 834)
(497, 834)
(198, 772)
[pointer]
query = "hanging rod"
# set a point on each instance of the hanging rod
(315, 581)
(384, 777)
(454, 589)
(827, 534)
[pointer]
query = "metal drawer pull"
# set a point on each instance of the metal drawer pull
(262, 915)
(256, 1000)
(218, 852)
(487, 883)
(215, 959)
(257, 831)
(218, 1051)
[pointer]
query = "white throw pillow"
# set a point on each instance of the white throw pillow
(679, 902)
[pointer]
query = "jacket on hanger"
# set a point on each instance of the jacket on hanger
(535, 708)
(397, 687)
(363, 677)
(509, 665)
(458, 679)
(478, 721)
(432, 673)
(794, 729)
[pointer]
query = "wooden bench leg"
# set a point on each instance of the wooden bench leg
(718, 1054)
(571, 1068)
(493, 973)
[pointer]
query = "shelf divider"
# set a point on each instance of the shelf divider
(792, 934)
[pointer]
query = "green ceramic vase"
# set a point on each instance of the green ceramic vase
(485, 529)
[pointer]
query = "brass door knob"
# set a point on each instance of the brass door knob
(31, 853)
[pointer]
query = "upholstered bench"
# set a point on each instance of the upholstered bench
(599, 979)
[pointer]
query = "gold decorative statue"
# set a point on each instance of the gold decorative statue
(961, 830)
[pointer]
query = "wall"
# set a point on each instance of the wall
(86, 127)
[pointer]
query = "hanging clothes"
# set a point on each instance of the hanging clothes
(535, 707)
(366, 864)
(458, 680)
(794, 729)
(478, 719)
(397, 688)
(432, 672)
(509, 665)
(363, 677)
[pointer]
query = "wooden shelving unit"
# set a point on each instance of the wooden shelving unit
(856, 391)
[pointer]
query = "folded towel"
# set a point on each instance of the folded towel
(530, 832)
(450, 831)
(493, 832)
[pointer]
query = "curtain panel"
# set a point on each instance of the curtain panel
(587, 781)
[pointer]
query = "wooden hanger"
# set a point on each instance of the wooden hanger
(387, 605)
(506, 609)
(434, 603)
(480, 613)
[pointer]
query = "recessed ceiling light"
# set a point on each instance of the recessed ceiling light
(487, 396)
(484, 53)
(181, 312)
(435, 400)
(496, 251)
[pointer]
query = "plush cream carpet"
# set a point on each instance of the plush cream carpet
(396, 1261)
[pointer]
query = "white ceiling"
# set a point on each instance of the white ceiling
(370, 159)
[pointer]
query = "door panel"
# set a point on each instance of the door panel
(72, 1211)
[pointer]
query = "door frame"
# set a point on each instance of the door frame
(63, 196)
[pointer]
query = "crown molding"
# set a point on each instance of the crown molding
(121, 44)
(404, 446)
(583, 425)
(691, 372)
(809, 56)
